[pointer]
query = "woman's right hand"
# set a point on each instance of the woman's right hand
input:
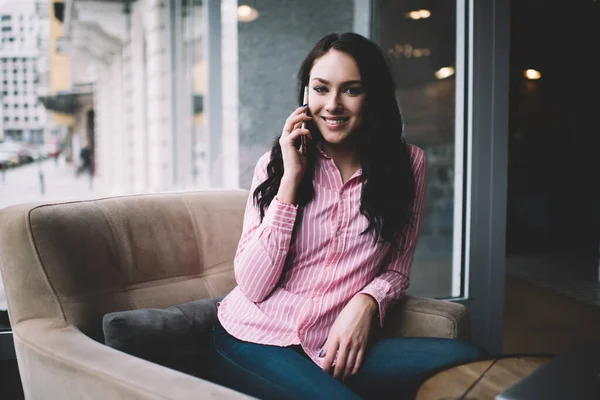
(294, 162)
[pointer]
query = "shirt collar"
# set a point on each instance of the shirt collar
(320, 150)
(326, 173)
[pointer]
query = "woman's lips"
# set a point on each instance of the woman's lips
(335, 123)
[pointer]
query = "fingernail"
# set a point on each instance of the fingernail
(304, 105)
(321, 353)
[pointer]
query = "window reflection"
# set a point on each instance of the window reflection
(422, 51)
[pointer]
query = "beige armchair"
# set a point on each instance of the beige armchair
(66, 265)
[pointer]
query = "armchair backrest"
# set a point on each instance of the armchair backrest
(76, 261)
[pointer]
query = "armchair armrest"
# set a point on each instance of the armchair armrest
(425, 317)
(59, 359)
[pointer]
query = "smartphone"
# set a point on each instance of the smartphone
(303, 139)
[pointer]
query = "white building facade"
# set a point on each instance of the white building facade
(146, 63)
(23, 66)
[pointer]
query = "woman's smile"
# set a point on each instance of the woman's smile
(336, 123)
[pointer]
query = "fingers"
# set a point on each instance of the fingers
(343, 357)
(291, 123)
(359, 360)
(350, 362)
(299, 110)
(296, 126)
(340, 365)
(296, 133)
(294, 120)
(290, 139)
(330, 349)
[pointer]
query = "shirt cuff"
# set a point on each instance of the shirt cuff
(281, 216)
(377, 289)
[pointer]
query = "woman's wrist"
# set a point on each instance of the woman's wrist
(370, 303)
(287, 190)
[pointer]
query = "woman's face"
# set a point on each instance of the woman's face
(336, 97)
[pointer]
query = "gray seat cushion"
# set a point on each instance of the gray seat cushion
(175, 336)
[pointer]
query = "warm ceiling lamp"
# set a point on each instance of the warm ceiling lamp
(532, 74)
(419, 14)
(246, 13)
(444, 72)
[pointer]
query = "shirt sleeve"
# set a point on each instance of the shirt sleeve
(263, 246)
(391, 284)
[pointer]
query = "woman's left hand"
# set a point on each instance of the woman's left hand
(349, 336)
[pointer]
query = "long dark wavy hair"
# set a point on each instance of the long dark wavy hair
(388, 184)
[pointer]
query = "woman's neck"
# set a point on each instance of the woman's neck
(345, 157)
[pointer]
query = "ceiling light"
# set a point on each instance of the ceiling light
(425, 13)
(532, 74)
(444, 72)
(419, 14)
(246, 13)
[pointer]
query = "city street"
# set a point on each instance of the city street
(23, 185)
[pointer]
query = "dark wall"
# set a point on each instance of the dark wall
(554, 169)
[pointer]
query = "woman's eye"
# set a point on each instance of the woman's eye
(320, 89)
(354, 91)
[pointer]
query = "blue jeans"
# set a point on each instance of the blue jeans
(392, 368)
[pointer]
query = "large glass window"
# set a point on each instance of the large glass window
(420, 39)
(188, 94)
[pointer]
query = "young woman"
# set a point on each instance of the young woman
(327, 245)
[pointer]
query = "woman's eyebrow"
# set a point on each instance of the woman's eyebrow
(343, 83)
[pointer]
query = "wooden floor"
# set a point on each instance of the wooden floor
(479, 380)
(537, 320)
(540, 321)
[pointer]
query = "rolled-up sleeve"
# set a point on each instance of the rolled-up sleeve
(263, 246)
(391, 284)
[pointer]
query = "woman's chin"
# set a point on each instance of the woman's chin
(334, 137)
(332, 141)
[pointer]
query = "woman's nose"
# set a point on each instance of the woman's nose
(333, 103)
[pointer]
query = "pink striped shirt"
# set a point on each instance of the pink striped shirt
(291, 288)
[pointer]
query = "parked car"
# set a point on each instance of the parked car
(8, 159)
(24, 155)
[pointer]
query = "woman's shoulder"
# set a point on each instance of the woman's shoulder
(417, 156)
(263, 161)
(260, 169)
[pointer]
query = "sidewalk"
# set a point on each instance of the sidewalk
(46, 181)
(58, 182)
